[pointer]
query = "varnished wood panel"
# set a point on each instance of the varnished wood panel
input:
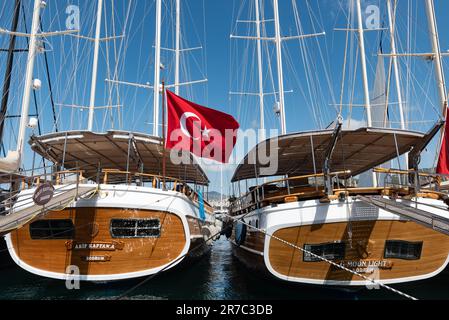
(136, 255)
(367, 243)
(194, 226)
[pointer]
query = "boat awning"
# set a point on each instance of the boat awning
(356, 150)
(110, 150)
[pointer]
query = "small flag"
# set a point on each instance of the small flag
(443, 165)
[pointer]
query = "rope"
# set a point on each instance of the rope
(328, 261)
(223, 231)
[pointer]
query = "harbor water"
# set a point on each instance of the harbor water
(218, 276)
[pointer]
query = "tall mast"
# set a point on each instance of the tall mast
(177, 45)
(278, 41)
(259, 65)
(28, 78)
(391, 24)
(8, 71)
(437, 55)
(157, 70)
(363, 62)
(95, 66)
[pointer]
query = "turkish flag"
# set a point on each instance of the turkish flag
(205, 132)
(443, 164)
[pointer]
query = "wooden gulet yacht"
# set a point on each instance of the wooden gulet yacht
(134, 224)
(311, 224)
(126, 212)
(385, 232)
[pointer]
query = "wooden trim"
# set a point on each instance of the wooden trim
(137, 254)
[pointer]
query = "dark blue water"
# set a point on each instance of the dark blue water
(219, 276)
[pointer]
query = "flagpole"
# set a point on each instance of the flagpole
(163, 135)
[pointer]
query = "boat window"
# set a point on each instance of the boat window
(135, 228)
(329, 251)
(52, 229)
(400, 249)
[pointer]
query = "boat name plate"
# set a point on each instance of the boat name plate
(103, 246)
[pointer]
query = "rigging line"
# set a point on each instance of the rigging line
(110, 86)
(126, 293)
(353, 87)
(123, 43)
(269, 56)
(324, 60)
(8, 71)
(34, 91)
(48, 79)
(313, 84)
(342, 88)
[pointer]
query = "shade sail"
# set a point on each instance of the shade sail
(110, 150)
(356, 150)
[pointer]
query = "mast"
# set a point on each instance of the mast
(8, 71)
(278, 41)
(395, 63)
(95, 66)
(177, 45)
(28, 78)
(157, 71)
(430, 10)
(363, 62)
(259, 65)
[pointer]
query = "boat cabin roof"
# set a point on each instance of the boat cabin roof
(110, 150)
(357, 150)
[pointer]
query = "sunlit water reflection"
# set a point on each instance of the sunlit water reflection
(218, 276)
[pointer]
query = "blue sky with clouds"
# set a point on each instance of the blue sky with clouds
(313, 68)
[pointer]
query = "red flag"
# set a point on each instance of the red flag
(443, 164)
(205, 132)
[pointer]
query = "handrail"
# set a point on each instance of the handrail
(148, 175)
(397, 171)
(293, 178)
(186, 189)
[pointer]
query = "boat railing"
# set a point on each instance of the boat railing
(156, 181)
(427, 182)
(20, 182)
(106, 176)
(296, 188)
(284, 190)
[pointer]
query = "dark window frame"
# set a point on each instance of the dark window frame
(60, 232)
(136, 228)
(409, 243)
(313, 259)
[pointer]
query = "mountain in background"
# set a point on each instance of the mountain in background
(215, 196)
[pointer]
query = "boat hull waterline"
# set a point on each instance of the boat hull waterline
(362, 230)
(122, 232)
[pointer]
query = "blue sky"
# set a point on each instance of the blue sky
(313, 68)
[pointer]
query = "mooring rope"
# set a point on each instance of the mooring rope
(373, 281)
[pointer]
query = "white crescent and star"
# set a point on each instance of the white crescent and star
(183, 120)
